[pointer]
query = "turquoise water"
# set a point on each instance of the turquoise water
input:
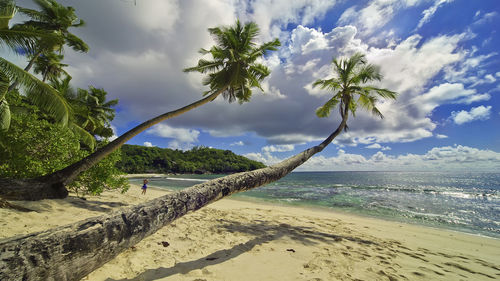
(468, 202)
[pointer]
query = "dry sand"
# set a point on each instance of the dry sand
(239, 240)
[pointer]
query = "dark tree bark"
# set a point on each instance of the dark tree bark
(52, 186)
(73, 251)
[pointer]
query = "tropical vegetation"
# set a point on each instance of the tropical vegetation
(233, 71)
(46, 127)
(199, 160)
(102, 238)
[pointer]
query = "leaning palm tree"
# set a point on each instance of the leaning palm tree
(73, 251)
(36, 91)
(232, 73)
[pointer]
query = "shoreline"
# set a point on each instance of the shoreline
(240, 240)
(258, 200)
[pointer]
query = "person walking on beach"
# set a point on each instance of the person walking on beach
(144, 186)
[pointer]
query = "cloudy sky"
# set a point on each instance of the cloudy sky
(441, 56)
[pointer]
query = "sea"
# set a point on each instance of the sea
(465, 202)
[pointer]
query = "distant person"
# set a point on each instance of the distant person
(144, 186)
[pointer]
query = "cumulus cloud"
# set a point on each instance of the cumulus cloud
(445, 158)
(476, 113)
(278, 148)
(181, 138)
(238, 143)
(440, 136)
(144, 70)
(148, 144)
(377, 146)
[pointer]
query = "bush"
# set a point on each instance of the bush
(34, 147)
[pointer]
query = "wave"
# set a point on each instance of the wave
(462, 194)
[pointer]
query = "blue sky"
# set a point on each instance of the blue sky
(441, 56)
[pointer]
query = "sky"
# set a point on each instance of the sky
(440, 56)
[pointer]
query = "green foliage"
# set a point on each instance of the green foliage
(56, 18)
(234, 69)
(105, 175)
(33, 147)
(140, 159)
(351, 75)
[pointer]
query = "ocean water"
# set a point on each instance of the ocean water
(467, 202)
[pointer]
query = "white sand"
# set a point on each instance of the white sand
(236, 240)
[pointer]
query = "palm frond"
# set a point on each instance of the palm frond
(330, 84)
(4, 106)
(4, 115)
(384, 93)
(41, 94)
(76, 43)
(324, 111)
(84, 136)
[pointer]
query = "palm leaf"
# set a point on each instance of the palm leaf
(84, 136)
(4, 115)
(324, 111)
(41, 94)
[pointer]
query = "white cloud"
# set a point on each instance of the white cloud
(273, 15)
(182, 138)
(374, 16)
(488, 17)
(265, 158)
(238, 143)
(148, 144)
(378, 146)
(448, 93)
(278, 148)
(497, 74)
(428, 13)
(447, 158)
(476, 113)
(439, 136)
(143, 70)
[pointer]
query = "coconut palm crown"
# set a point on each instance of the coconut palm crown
(36, 91)
(234, 68)
(351, 76)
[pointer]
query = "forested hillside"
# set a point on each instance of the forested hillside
(140, 159)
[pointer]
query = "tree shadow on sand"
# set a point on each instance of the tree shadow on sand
(94, 205)
(263, 231)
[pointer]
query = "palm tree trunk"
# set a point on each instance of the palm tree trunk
(73, 251)
(27, 68)
(52, 185)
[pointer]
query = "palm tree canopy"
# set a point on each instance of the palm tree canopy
(234, 68)
(20, 36)
(50, 66)
(351, 76)
(38, 92)
(56, 18)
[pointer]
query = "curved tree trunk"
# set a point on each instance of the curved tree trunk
(52, 185)
(73, 251)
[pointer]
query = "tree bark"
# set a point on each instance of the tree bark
(52, 185)
(73, 251)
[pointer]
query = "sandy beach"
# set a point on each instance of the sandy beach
(240, 240)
